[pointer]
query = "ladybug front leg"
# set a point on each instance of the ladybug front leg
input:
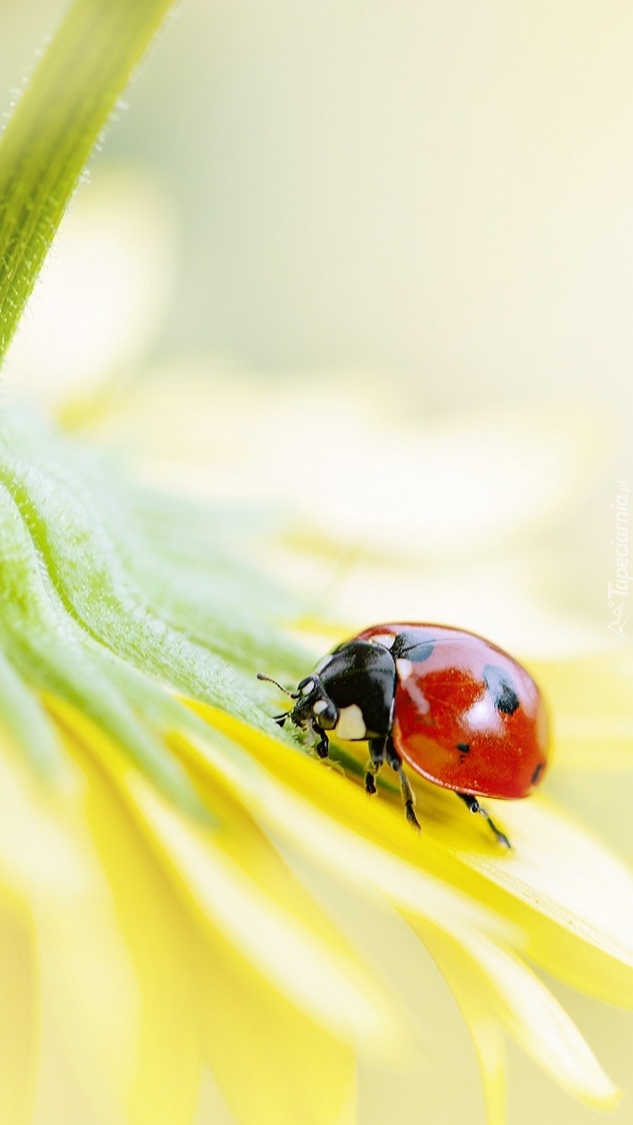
(472, 803)
(322, 746)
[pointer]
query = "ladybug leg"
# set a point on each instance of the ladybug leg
(472, 803)
(377, 750)
(408, 796)
(381, 750)
(322, 745)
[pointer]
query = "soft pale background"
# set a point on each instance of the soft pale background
(438, 193)
(439, 190)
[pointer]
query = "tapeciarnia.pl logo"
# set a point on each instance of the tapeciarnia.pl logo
(618, 591)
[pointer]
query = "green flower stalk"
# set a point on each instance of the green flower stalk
(56, 125)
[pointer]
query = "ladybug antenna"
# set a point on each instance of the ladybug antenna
(292, 694)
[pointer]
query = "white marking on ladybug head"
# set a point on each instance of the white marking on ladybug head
(320, 706)
(384, 639)
(307, 688)
(323, 663)
(404, 668)
(351, 724)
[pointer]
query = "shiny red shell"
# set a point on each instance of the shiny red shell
(452, 727)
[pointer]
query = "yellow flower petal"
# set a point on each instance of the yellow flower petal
(274, 1064)
(165, 1056)
(464, 976)
(528, 1011)
(194, 979)
(327, 988)
(48, 861)
(521, 1001)
(311, 972)
(571, 898)
(19, 1017)
(420, 1083)
(348, 828)
(84, 968)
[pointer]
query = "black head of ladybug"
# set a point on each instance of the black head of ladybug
(314, 707)
(351, 692)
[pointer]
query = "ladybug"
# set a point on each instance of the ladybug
(451, 705)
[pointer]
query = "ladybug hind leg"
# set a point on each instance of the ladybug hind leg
(472, 803)
(408, 796)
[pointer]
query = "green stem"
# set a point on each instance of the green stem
(55, 126)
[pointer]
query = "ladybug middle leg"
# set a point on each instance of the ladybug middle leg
(472, 803)
(377, 750)
(381, 750)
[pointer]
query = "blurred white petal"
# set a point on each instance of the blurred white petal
(99, 302)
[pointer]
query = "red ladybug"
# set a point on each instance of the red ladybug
(458, 710)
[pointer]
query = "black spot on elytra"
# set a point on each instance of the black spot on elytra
(409, 646)
(501, 688)
(537, 772)
(463, 747)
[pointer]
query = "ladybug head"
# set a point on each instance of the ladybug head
(313, 704)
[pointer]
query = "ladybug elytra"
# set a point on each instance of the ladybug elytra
(455, 708)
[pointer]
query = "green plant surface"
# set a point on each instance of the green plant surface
(94, 609)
